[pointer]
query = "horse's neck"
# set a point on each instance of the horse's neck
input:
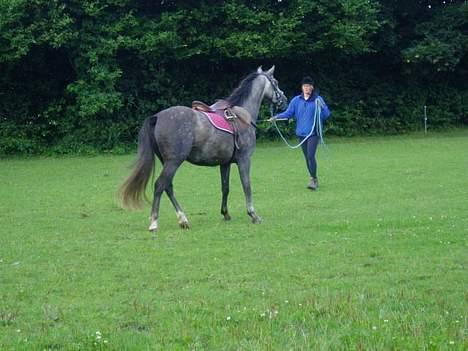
(253, 103)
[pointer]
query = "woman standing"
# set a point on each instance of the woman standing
(302, 108)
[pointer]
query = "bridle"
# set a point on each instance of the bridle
(278, 94)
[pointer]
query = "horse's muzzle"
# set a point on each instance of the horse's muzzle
(282, 103)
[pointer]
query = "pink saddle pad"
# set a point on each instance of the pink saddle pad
(219, 122)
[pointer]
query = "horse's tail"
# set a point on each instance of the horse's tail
(133, 189)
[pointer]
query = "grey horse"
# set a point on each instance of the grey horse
(180, 133)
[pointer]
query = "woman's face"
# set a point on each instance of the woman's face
(307, 89)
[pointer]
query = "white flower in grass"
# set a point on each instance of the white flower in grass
(228, 318)
(98, 335)
(385, 320)
(374, 327)
(451, 342)
(273, 314)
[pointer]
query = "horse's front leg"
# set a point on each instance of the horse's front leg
(225, 171)
(244, 172)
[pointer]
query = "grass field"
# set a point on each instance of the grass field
(374, 260)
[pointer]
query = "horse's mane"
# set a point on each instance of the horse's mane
(243, 91)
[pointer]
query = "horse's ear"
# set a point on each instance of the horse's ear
(271, 70)
(259, 69)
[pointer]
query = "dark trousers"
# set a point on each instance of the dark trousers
(309, 148)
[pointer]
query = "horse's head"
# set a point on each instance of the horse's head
(272, 90)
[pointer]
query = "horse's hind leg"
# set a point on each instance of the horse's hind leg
(163, 183)
(244, 172)
(183, 221)
(225, 171)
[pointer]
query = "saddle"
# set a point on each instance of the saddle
(225, 109)
(231, 114)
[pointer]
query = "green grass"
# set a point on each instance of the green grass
(374, 260)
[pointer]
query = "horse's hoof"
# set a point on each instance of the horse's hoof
(183, 221)
(184, 225)
(227, 217)
(256, 220)
(153, 227)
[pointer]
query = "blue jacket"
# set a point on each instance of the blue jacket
(303, 111)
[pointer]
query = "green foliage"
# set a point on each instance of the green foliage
(344, 26)
(81, 75)
(25, 24)
(441, 40)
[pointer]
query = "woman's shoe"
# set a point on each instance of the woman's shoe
(313, 184)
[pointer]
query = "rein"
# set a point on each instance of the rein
(317, 121)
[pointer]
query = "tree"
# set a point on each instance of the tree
(83, 74)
